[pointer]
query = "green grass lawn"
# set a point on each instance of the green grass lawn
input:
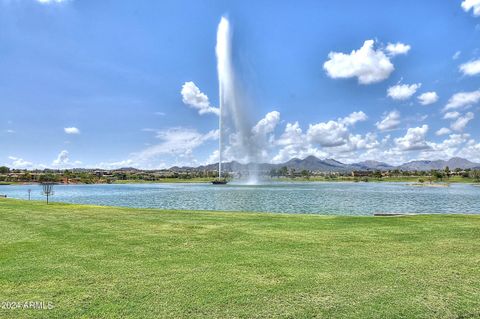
(105, 262)
(167, 180)
(391, 179)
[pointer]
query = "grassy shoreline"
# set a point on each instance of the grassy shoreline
(110, 262)
(405, 179)
(166, 180)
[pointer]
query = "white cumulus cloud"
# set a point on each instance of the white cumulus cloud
(116, 165)
(354, 118)
(389, 122)
(451, 115)
(471, 151)
(328, 134)
(267, 124)
(428, 98)
(470, 68)
(193, 97)
(473, 5)
(19, 162)
(331, 139)
(263, 135)
(333, 133)
(461, 122)
(462, 100)
(71, 130)
(414, 139)
(448, 148)
(367, 64)
(443, 131)
(397, 48)
(403, 91)
(292, 135)
(63, 160)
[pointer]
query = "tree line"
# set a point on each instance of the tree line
(8, 175)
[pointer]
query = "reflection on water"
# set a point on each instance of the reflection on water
(317, 198)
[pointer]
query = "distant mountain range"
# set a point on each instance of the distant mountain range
(313, 163)
(455, 162)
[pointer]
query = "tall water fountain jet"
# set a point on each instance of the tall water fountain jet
(233, 119)
(224, 69)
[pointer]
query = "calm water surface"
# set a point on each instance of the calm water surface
(317, 198)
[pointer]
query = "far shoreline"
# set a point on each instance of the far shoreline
(414, 182)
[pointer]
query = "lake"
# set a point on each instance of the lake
(317, 198)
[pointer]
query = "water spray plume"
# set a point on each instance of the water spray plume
(224, 82)
(233, 117)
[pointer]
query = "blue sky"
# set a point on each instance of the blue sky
(87, 83)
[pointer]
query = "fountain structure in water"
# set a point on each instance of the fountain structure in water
(233, 119)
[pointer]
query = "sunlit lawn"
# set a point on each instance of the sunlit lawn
(101, 262)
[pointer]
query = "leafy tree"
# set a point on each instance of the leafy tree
(305, 173)
(447, 172)
(377, 174)
(4, 170)
(48, 177)
(475, 174)
(437, 174)
(283, 171)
